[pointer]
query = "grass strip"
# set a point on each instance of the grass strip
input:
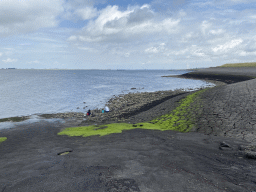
(250, 64)
(2, 139)
(181, 119)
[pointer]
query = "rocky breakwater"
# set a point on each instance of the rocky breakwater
(123, 106)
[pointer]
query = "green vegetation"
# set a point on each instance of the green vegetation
(2, 139)
(65, 153)
(181, 119)
(14, 119)
(251, 64)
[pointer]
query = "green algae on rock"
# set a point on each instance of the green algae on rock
(102, 130)
(2, 139)
(181, 119)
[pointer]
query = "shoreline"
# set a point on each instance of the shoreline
(126, 104)
(121, 108)
(128, 107)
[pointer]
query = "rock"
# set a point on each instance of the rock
(242, 147)
(224, 146)
(250, 154)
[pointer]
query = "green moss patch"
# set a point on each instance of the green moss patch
(2, 139)
(181, 119)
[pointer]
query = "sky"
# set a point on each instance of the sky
(122, 34)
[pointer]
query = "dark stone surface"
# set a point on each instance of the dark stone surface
(135, 160)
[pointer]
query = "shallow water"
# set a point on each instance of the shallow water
(32, 119)
(26, 92)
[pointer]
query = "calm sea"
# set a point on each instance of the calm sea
(26, 92)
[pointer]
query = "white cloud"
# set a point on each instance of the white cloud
(197, 51)
(182, 13)
(9, 60)
(245, 53)
(86, 13)
(152, 50)
(229, 45)
(217, 32)
(114, 25)
(157, 49)
(25, 16)
(72, 38)
(205, 26)
(192, 51)
(187, 37)
(1, 54)
(80, 9)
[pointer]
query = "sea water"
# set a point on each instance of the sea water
(28, 92)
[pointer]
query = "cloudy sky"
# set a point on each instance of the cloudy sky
(122, 34)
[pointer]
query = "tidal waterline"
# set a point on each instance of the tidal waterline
(28, 92)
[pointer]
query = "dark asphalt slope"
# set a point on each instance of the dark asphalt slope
(136, 160)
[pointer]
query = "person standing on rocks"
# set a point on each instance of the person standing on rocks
(89, 112)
